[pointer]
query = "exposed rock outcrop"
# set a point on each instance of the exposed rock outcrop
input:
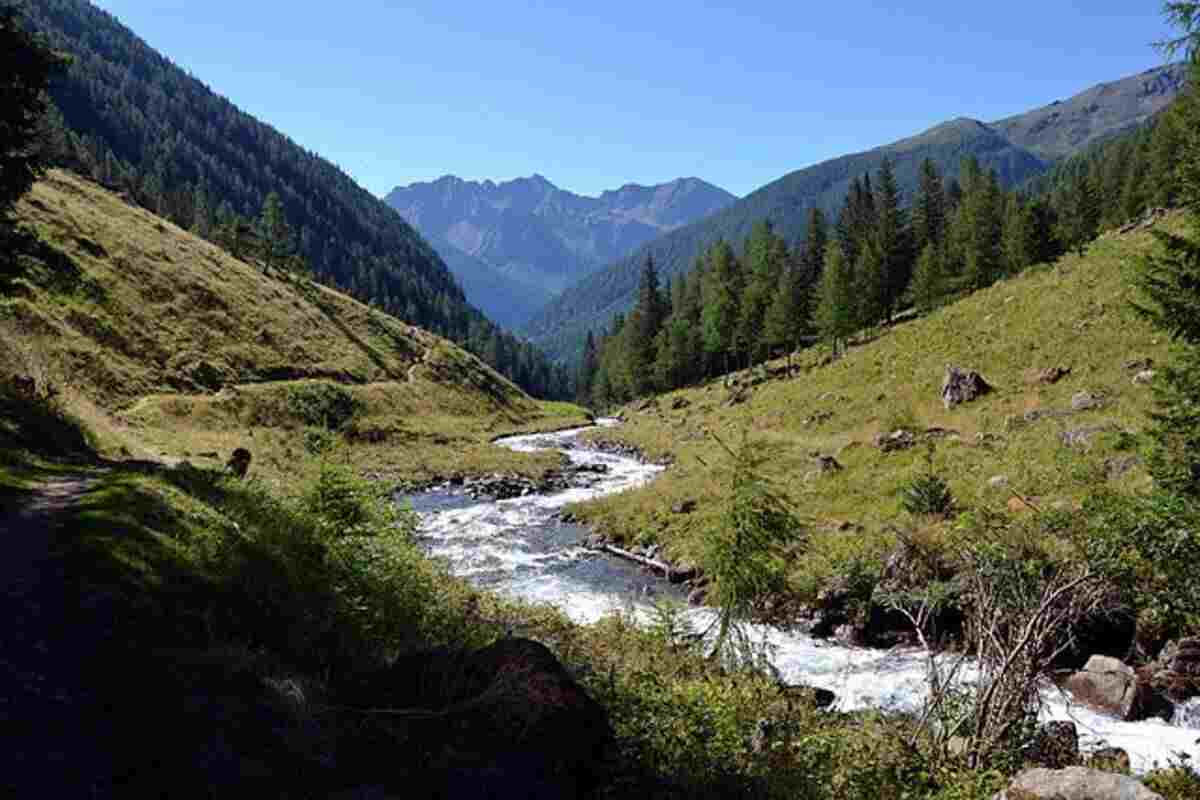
(1074, 783)
(962, 386)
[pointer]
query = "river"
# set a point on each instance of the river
(520, 547)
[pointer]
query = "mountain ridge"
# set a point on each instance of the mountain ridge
(1010, 146)
(514, 244)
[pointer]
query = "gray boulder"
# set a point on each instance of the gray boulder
(1074, 783)
(962, 386)
(1086, 401)
(1108, 685)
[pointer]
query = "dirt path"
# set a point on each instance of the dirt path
(46, 706)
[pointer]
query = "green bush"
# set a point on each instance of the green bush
(321, 405)
(927, 494)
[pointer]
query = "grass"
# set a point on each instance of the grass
(221, 589)
(1075, 314)
(170, 349)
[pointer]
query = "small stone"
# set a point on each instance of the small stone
(998, 482)
(1086, 401)
(1144, 378)
(684, 507)
(826, 464)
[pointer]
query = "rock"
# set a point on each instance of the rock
(1144, 378)
(697, 596)
(510, 713)
(1020, 505)
(1074, 783)
(1176, 676)
(897, 440)
(1118, 467)
(998, 482)
(1110, 759)
(680, 403)
(1138, 364)
(825, 464)
(1086, 401)
(961, 386)
(1035, 414)
(1055, 745)
(239, 462)
(1048, 375)
(684, 507)
(819, 698)
(1082, 437)
(1108, 685)
(1186, 660)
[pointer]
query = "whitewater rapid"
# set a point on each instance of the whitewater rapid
(521, 548)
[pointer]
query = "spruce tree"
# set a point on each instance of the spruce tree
(1080, 209)
(1170, 282)
(274, 232)
(641, 337)
(587, 370)
(834, 315)
(928, 286)
(929, 211)
(892, 241)
(723, 287)
(766, 257)
(27, 65)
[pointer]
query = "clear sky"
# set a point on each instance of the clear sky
(593, 94)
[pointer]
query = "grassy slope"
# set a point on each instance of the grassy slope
(169, 347)
(1074, 314)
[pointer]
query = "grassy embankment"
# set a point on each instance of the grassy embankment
(1074, 314)
(169, 348)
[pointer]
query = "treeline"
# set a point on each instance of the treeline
(128, 118)
(879, 256)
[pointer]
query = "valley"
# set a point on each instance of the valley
(879, 482)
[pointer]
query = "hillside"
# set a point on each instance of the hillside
(175, 350)
(131, 119)
(1017, 148)
(1074, 314)
(515, 245)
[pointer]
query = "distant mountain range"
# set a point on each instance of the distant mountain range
(515, 245)
(1018, 148)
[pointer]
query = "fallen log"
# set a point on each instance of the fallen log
(671, 573)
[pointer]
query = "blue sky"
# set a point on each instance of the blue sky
(599, 93)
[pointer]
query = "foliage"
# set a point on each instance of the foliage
(322, 405)
(1148, 546)
(26, 67)
(927, 493)
(742, 551)
(346, 505)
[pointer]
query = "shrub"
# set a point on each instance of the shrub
(927, 494)
(321, 405)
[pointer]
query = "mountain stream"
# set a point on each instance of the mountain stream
(519, 547)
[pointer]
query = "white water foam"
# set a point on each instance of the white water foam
(492, 542)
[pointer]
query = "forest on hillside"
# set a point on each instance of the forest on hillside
(127, 117)
(875, 258)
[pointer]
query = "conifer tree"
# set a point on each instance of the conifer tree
(27, 65)
(834, 315)
(892, 242)
(816, 240)
(766, 257)
(275, 233)
(1080, 214)
(587, 370)
(929, 211)
(641, 336)
(1170, 282)
(721, 303)
(928, 286)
